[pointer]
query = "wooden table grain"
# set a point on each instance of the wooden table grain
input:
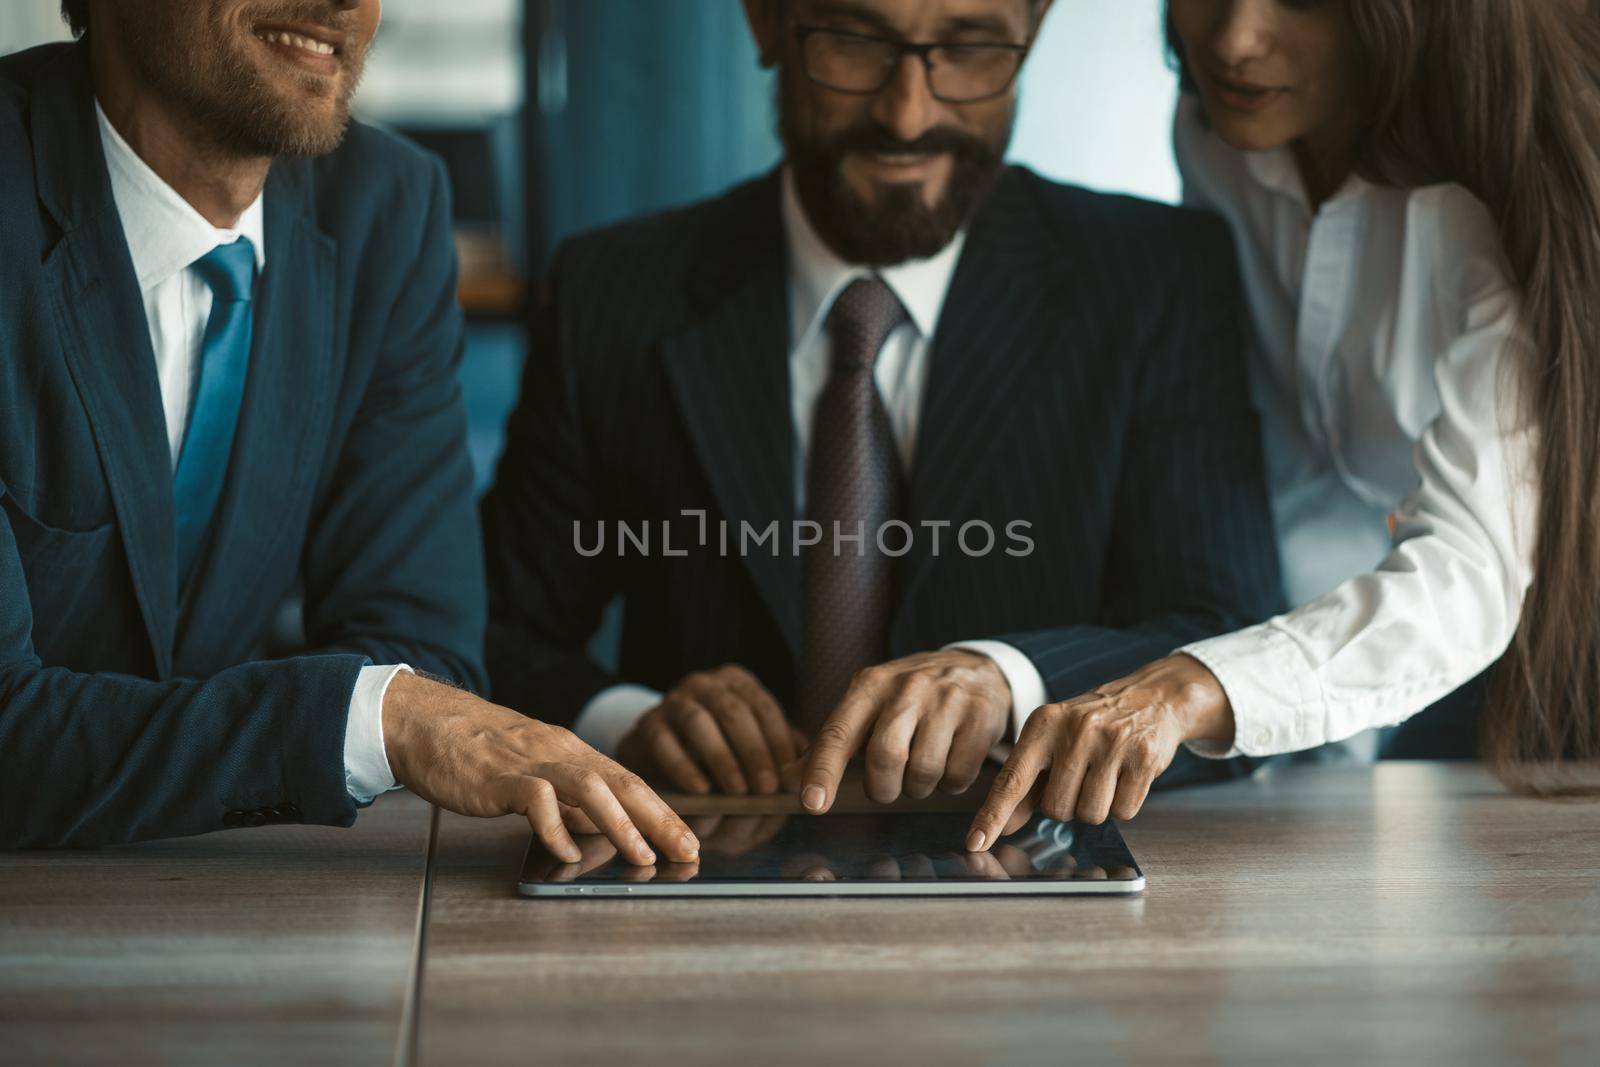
(275, 945)
(1407, 912)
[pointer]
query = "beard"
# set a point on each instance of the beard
(204, 70)
(898, 224)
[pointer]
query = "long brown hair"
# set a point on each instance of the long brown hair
(1503, 98)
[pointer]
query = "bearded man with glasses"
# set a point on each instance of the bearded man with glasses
(885, 348)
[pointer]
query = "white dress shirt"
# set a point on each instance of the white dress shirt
(166, 235)
(816, 278)
(1384, 374)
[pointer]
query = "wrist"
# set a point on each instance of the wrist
(992, 678)
(995, 685)
(406, 693)
(1207, 714)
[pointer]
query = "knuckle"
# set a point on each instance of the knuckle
(1145, 754)
(1009, 782)
(833, 732)
(697, 717)
(886, 757)
(1093, 814)
(1054, 809)
(1043, 722)
(901, 711)
(541, 791)
(628, 782)
(925, 770)
(557, 737)
(877, 674)
(591, 781)
(1059, 712)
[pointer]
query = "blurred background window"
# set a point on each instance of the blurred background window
(639, 105)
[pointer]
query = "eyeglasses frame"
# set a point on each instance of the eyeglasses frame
(922, 50)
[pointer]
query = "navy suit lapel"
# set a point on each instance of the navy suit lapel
(106, 339)
(995, 322)
(276, 448)
(730, 377)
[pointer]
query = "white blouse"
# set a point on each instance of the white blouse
(1383, 373)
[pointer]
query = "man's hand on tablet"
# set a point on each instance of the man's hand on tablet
(923, 722)
(476, 758)
(722, 722)
(1096, 755)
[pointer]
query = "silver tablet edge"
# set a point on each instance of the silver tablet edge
(558, 890)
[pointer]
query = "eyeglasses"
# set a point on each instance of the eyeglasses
(864, 66)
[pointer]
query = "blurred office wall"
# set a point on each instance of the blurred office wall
(1097, 99)
(25, 23)
(644, 104)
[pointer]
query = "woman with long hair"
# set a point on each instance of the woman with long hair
(1414, 189)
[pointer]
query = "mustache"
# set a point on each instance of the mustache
(323, 13)
(869, 137)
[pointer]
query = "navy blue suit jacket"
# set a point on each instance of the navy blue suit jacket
(1087, 377)
(128, 711)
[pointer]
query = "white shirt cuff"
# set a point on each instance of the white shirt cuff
(366, 761)
(611, 713)
(1272, 691)
(1027, 685)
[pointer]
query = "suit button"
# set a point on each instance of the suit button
(254, 818)
(287, 813)
(233, 819)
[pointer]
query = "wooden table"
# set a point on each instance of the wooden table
(277, 945)
(1407, 912)
(1399, 913)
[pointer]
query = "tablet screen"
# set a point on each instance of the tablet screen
(908, 852)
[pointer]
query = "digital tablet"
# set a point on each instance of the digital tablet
(883, 854)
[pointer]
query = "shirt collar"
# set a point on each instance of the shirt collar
(165, 233)
(817, 275)
(1276, 170)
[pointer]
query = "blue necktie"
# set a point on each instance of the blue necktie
(230, 271)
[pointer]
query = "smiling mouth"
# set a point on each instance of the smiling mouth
(1245, 89)
(1243, 98)
(295, 40)
(901, 159)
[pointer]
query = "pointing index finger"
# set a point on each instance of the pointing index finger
(836, 741)
(1011, 787)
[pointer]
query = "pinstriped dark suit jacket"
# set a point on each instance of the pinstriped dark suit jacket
(1087, 377)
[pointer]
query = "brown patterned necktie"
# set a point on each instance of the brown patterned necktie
(854, 481)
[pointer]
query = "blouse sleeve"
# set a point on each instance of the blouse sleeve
(1445, 604)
